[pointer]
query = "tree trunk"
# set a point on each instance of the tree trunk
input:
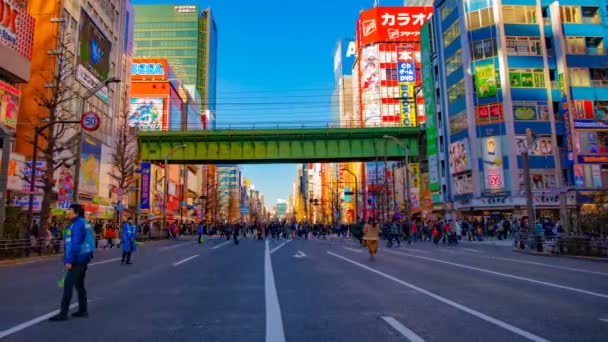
(47, 195)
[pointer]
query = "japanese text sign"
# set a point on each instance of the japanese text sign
(145, 185)
(392, 24)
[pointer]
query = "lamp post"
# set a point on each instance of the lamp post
(83, 100)
(356, 193)
(166, 185)
(407, 175)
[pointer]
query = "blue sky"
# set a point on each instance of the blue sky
(275, 63)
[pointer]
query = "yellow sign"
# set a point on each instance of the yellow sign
(415, 175)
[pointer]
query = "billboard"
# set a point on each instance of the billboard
(16, 28)
(370, 86)
(90, 161)
(491, 152)
(146, 113)
(344, 58)
(459, 156)
(146, 171)
(391, 24)
(489, 114)
(94, 53)
(9, 105)
(65, 184)
(406, 74)
(149, 69)
(543, 146)
(428, 90)
(486, 84)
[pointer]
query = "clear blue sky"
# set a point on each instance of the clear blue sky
(279, 52)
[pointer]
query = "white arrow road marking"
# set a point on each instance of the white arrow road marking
(300, 254)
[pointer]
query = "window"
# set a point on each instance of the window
(451, 33)
(579, 77)
(591, 15)
(390, 74)
(594, 142)
(527, 78)
(480, 18)
(524, 46)
(519, 14)
(570, 14)
(456, 92)
(447, 8)
(484, 48)
(576, 45)
(599, 77)
(530, 110)
(453, 63)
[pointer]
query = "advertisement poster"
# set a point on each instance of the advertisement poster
(458, 123)
(542, 146)
(491, 154)
(392, 24)
(459, 156)
(90, 165)
(414, 175)
(462, 185)
(94, 48)
(65, 184)
(370, 86)
(406, 70)
(485, 80)
(146, 113)
(489, 114)
(146, 171)
(9, 105)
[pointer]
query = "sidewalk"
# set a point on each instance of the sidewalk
(491, 242)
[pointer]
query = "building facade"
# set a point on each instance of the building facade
(507, 66)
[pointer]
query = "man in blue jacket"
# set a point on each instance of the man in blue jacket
(128, 241)
(75, 264)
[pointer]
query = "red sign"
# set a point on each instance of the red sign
(16, 28)
(90, 121)
(391, 24)
(487, 114)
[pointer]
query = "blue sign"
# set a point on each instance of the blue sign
(245, 210)
(346, 197)
(144, 198)
(155, 69)
(348, 56)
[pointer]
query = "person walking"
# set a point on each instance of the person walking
(371, 234)
(128, 242)
(76, 259)
(200, 229)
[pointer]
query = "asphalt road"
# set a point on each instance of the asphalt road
(315, 290)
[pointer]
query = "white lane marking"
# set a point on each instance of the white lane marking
(179, 244)
(506, 275)
(300, 254)
(103, 262)
(354, 250)
(32, 322)
(221, 244)
(471, 250)
(185, 260)
(551, 266)
(274, 321)
(403, 330)
(444, 300)
(279, 246)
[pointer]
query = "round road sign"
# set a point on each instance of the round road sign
(90, 121)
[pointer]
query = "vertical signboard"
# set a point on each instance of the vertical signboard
(370, 86)
(9, 105)
(406, 70)
(90, 161)
(491, 151)
(428, 89)
(146, 170)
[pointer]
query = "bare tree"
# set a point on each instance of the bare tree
(124, 157)
(56, 142)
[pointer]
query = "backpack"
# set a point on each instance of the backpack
(88, 245)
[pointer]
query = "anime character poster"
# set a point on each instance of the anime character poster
(90, 165)
(146, 113)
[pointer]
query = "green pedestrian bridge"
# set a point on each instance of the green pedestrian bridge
(278, 145)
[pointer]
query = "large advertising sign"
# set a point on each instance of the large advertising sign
(370, 86)
(94, 55)
(428, 87)
(9, 105)
(543, 146)
(391, 24)
(149, 69)
(146, 171)
(146, 113)
(406, 73)
(491, 152)
(344, 58)
(90, 161)
(459, 156)
(16, 28)
(486, 84)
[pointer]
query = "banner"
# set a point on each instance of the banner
(459, 156)
(491, 152)
(414, 175)
(90, 161)
(428, 86)
(144, 199)
(9, 105)
(370, 86)
(406, 70)
(485, 80)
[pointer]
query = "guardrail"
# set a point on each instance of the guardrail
(562, 245)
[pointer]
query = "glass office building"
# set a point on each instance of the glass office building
(187, 37)
(510, 65)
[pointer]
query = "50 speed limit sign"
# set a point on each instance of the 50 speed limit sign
(90, 121)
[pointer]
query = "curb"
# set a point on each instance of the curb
(26, 260)
(596, 259)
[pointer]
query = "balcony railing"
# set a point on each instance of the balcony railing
(581, 50)
(591, 20)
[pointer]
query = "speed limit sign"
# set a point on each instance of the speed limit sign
(90, 121)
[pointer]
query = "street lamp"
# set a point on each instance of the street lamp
(83, 100)
(356, 193)
(407, 175)
(166, 185)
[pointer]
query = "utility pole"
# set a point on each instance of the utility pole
(528, 180)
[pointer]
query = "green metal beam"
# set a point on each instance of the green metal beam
(278, 145)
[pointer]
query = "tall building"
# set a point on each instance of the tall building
(98, 37)
(506, 66)
(186, 35)
(228, 193)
